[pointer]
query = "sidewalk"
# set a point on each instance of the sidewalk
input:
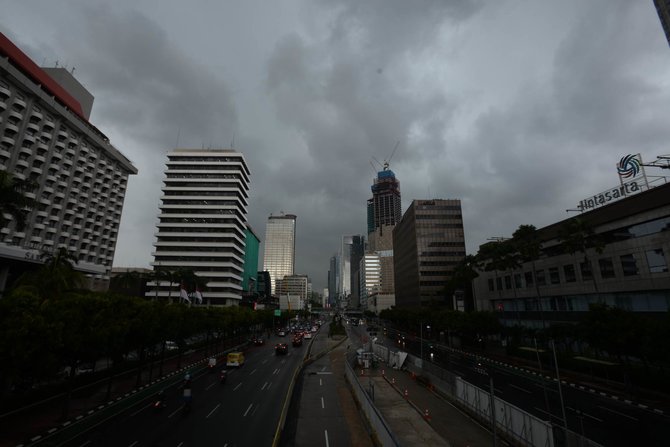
(443, 425)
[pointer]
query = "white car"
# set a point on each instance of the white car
(307, 335)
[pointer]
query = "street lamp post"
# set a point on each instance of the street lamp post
(492, 397)
(421, 340)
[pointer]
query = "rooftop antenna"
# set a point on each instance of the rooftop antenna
(72, 71)
(232, 143)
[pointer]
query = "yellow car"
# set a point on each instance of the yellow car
(235, 359)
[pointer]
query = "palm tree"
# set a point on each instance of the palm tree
(56, 276)
(528, 245)
(577, 235)
(13, 200)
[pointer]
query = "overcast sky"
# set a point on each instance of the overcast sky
(520, 109)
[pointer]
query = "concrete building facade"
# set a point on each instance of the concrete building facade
(631, 271)
(81, 178)
(202, 221)
(428, 243)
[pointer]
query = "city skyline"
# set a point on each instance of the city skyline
(519, 110)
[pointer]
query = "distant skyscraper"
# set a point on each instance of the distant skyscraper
(427, 244)
(384, 208)
(279, 254)
(663, 9)
(384, 212)
(333, 280)
(202, 221)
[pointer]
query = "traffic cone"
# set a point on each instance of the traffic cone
(383, 374)
(393, 380)
(406, 394)
(426, 415)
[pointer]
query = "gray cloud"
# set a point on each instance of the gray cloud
(519, 109)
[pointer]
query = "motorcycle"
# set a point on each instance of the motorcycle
(223, 376)
(159, 404)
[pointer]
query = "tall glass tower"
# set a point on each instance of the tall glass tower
(279, 255)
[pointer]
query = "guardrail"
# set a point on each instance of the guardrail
(377, 422)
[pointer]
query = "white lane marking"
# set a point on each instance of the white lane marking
(323, 369)
(283, 361)
(238, 385)
(215, 408)
(86, 443)
(320, 382)
(176, 411)
(210, 386)
(617, 412)
(141, 409)
(252, 372)
(585, 414)
(133, 444)
(264, 385)
(275, 371)
(263, 363)
(322, 403)
(180, 444)
(520, 389)
(269, 386)
(326, 433)
(246, 412)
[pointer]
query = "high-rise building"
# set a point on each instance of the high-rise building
(428, 243)
(279, 254)
(384, 208)
(384, 212)
(81, 178)
(202, 221)
(663, 10)
(351, 252)
(370, 277)
(251, 244)
(333, 281)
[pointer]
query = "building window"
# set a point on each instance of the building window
(539, 276)
(491, 285)
(656, 261)
(585, 267)
(554, 277)
(517, 280)
(508, 282)
(529, 279)
(629, 265)
(499, 283)
(606, 268)
(569, 272)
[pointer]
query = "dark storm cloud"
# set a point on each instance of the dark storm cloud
(147, 87)
(520, 109)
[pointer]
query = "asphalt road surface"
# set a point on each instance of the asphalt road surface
(242, 412)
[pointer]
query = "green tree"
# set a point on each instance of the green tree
(53, 278)
(528, 245)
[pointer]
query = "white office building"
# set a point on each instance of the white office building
(202, 223)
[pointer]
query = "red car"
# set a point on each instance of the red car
(297, 341)
(281, 349)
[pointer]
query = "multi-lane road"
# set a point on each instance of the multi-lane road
(244, 411)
